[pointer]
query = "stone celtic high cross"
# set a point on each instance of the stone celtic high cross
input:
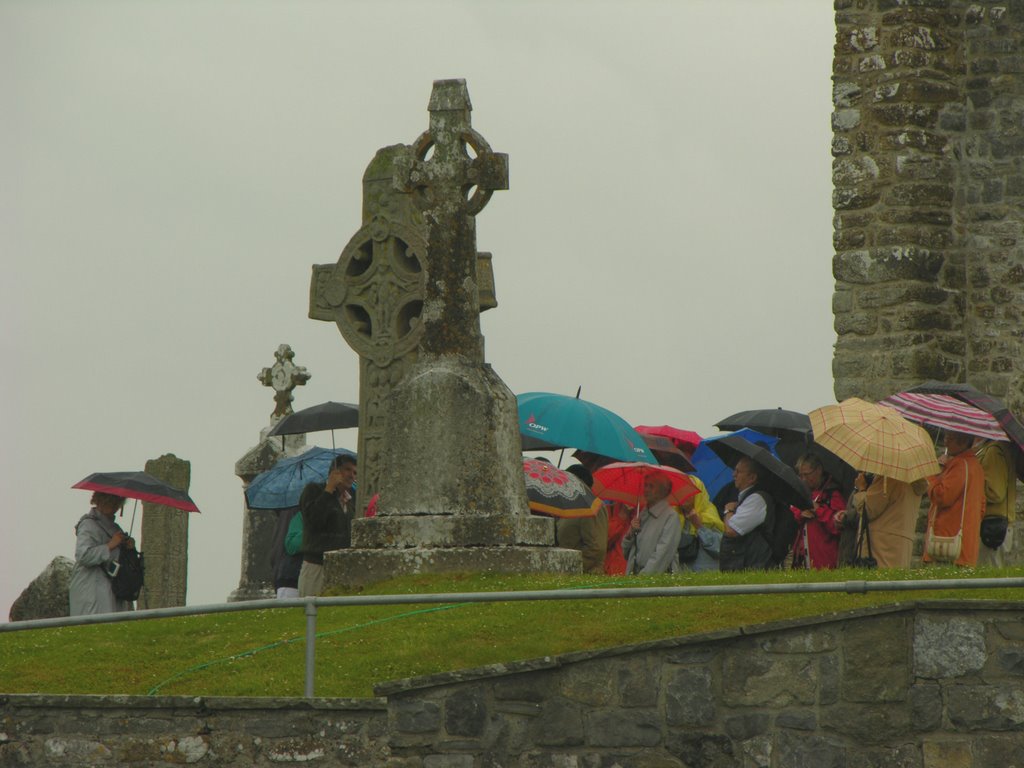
(438, 429)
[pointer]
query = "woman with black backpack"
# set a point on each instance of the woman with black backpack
(97, 544)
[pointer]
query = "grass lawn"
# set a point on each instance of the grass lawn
(261, 653)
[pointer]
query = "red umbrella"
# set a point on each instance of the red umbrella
(556, 493)
(684, 439)
(624, 481)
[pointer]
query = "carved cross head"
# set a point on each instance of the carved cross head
(452, 167)
(284, 376)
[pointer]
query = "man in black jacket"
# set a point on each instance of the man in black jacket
(327, 512)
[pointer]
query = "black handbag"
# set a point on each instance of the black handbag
(689, 548)
(993, 531)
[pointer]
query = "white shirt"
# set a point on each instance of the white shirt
(750, 512)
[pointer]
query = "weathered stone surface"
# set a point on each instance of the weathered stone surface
(926, 706)
(528, 688)
(416, 716)
(948, 648)
(947, 754)
(999, 750)
(164, 538)
(875, 647)
(560, 724)
(637, 682)
(449, 761)
(624, 728)
(904, 756)
(797, 720)
(870, 723)
(689, 699)
(899, 294)
(799, 750)
(465, 714)
(349, 569)
(879, 266)
(709, 751)
(743, 727)
(990, 708)
(1010, 630)
(46, 596)
(752, 680)
(1010, 662)
(591, 684)
(462, 475)
(407, 531)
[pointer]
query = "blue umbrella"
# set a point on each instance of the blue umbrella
(281, 486)
(714, 472)
(560, 421)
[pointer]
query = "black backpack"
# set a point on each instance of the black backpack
(127, 582)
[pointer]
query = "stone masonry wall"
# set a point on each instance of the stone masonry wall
(917, 685)
(928, 175)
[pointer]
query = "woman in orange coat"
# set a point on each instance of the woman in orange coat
(957, 496)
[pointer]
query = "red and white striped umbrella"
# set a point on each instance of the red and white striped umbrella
(947, 413)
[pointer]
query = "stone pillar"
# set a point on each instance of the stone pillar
(928, 197)
(257, 578)
(164, 539)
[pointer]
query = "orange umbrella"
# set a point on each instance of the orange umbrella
(876, 439)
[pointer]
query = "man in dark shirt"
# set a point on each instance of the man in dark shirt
(327, 512)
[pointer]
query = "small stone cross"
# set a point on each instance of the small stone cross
(283, 376)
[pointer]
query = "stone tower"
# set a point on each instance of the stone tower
(928, 173)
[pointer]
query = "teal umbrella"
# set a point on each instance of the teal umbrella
(560, 421)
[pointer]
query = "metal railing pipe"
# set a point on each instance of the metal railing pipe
(617, 593)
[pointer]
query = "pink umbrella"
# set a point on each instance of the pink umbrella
(947, 413)
(684, 439)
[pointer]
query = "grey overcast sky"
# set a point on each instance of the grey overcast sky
(172, 169)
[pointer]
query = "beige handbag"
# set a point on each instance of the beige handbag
(946, 549)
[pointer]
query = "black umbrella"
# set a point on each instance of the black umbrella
(792, 428)
(775, 477)
(771, 421)
(795, 439)
(138, 485)
(318, 418)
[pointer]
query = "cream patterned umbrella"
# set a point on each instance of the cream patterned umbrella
(875, 439)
